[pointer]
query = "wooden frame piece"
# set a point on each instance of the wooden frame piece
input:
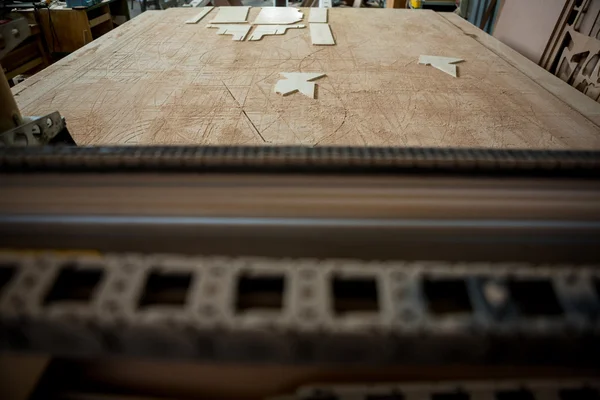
(232, 15)
(238, 32)
(278, 16)
(262, 30)
(99, 20)
(320, 35)
(317, 16)
(200, 15)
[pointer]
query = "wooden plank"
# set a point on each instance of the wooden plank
(202, 89)
(199, 16)
(71, 27)
(231, 15)
(395, 3)
(320, 35)
(24, 68)
(23, 53)
(98, 20)
(278, 16)
(318, 15)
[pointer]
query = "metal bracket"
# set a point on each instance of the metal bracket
(36, 131)
(13, 33)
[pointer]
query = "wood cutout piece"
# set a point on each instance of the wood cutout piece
(262, 30)
(199, 16)
(278, 16)
(298, 82)
(231, 15)
(318, 16)
(320, 35)
(239, 32)
(445, 64)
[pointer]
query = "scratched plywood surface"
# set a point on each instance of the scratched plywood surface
(157, 80)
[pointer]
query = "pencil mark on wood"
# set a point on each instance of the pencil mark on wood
(254, 126)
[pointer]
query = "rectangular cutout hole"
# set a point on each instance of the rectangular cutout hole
(74, 284)
(447, 296)
(579, 394)
(450, 396)
(572, 17)
(535, 297)
(354, 294)
(515, 395)
(166, 289)
(597, 287)
(260, 292)
(6, 274)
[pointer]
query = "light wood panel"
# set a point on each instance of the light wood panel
(278, 16)
(317, 15)
(183, 84)
(231, 15)
(527, 26)
(320, 34)
(200, 15)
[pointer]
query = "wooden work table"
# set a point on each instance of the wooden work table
(156, 80)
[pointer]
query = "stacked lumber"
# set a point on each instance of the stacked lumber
(573, 51)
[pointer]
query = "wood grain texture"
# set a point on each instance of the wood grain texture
(183, 84)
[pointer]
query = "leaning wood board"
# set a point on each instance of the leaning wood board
(157, 80)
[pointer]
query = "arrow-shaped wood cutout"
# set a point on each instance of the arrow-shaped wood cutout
(445, 64)
(298, 82)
